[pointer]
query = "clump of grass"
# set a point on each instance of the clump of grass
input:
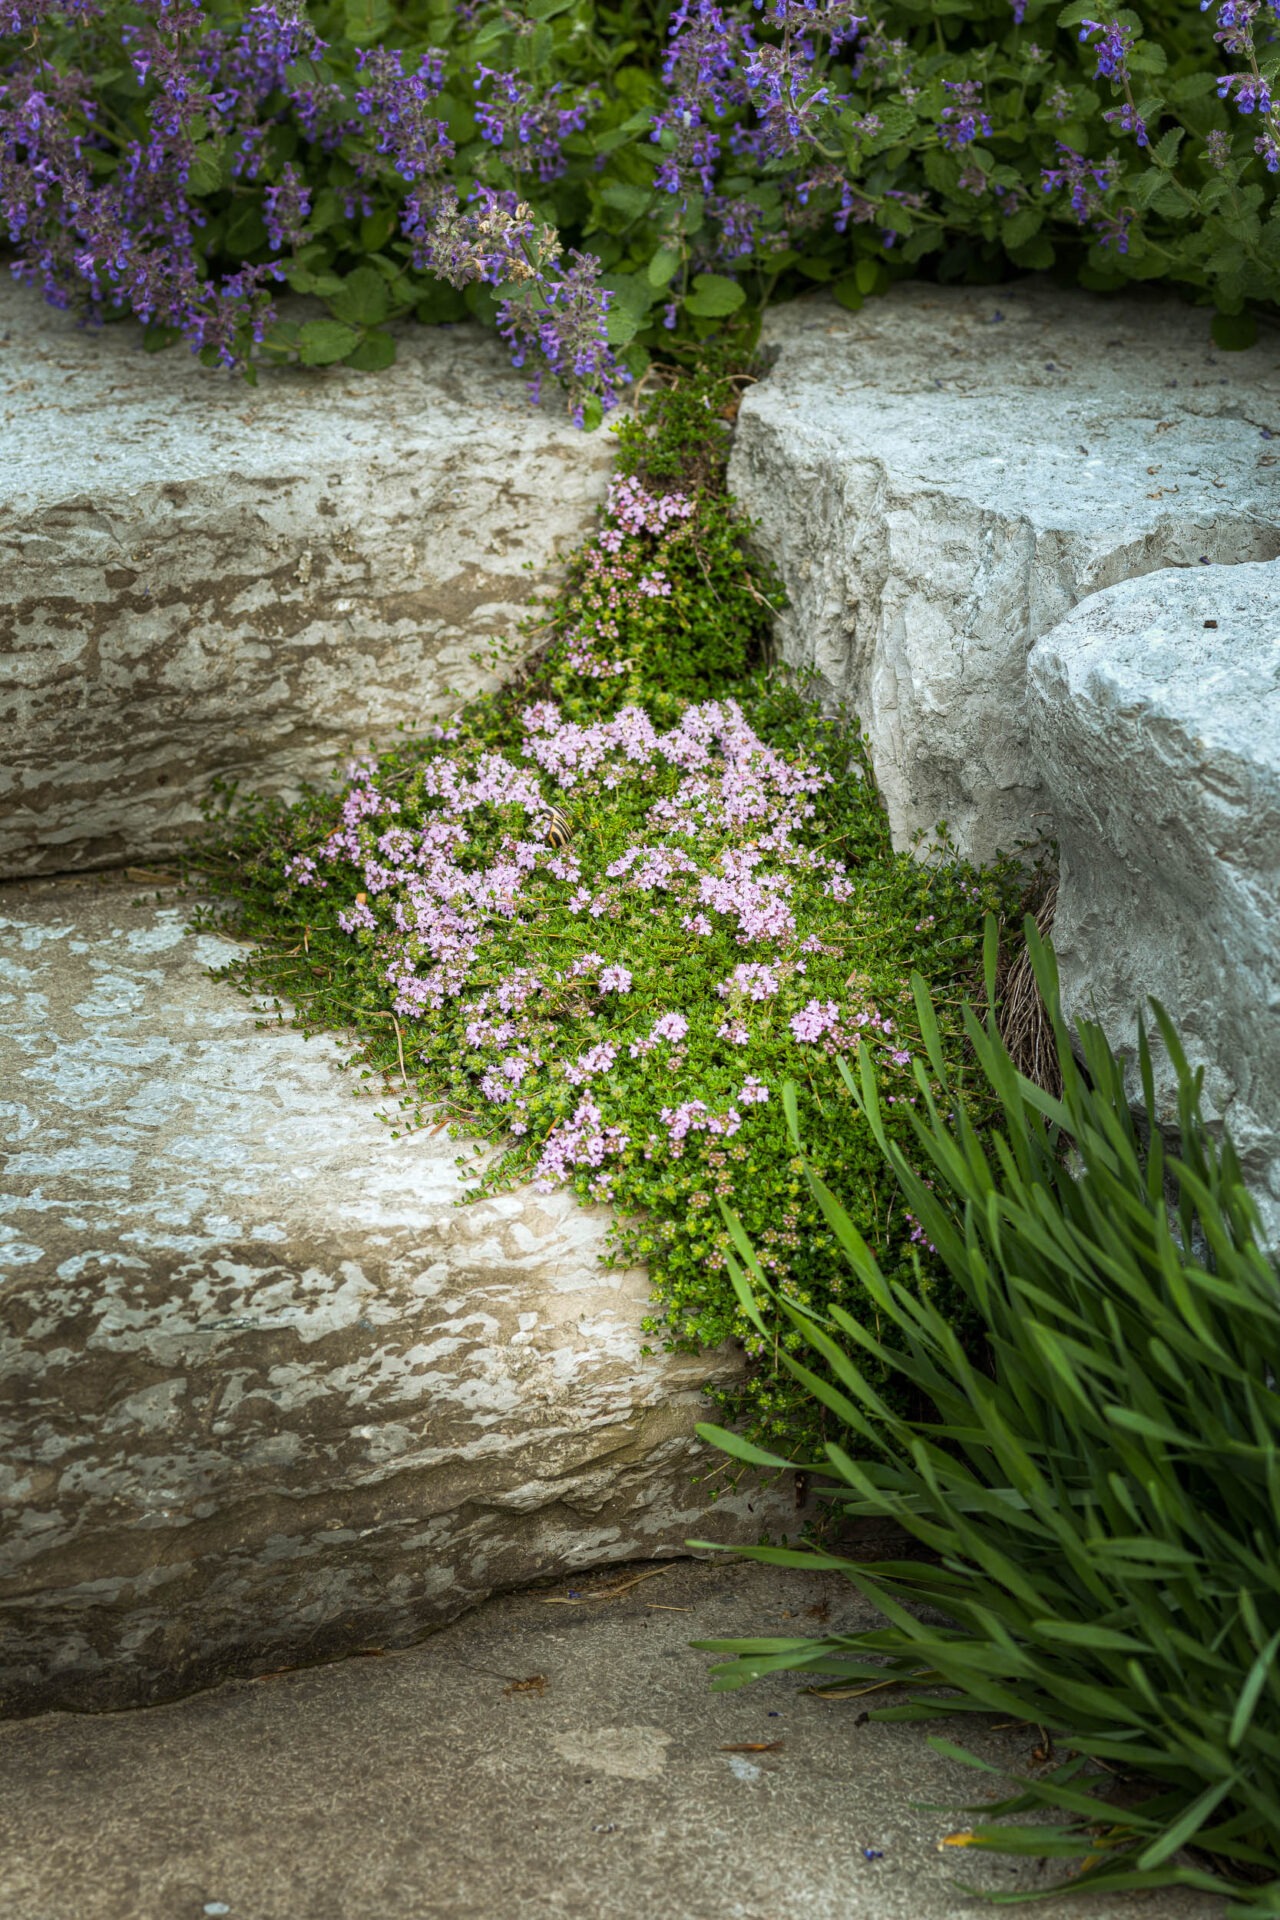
(1097, 1481)
(602, 915)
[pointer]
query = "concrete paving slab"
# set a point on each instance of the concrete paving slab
(544, 1758)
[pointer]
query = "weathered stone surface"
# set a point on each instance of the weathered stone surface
(198, 577)
(265, 1389)
(1159, 740)
(942, 476)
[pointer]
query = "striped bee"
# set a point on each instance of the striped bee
(560, 831)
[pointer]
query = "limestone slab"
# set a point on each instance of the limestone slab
(942, 476)
(266, 1389)
(1154, 713)
(201, 578)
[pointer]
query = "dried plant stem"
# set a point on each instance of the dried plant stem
(1024, 1021)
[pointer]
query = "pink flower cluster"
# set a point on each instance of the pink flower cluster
(651, 867)
(595, 1060)
(695, 1116)
(303, 872)
(814, 1020)
(497, 1084)
(619, 574)
(635, 511)
(584, 1141)
(672, 1027)
(919, 1237)
(721, 850)
(753, 981)
(758, 905)
(608, 979)
(822, 1021)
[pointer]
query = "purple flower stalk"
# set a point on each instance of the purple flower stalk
(1112, 50)
(1083, 180)
(964, 119)
(529, 125)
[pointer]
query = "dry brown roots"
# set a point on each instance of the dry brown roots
(1024, 1020)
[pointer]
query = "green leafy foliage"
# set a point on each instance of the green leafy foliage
(1100, 175)
(1097, 1479)
(849, 947)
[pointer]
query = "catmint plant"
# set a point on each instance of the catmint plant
(600, 182)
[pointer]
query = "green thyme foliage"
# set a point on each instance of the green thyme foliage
(1102, 1504)
(617, 1020)
(714, 627)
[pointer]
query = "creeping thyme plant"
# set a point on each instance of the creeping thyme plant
(600, 180)
(603, 914)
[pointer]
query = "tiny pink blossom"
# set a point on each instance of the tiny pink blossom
(755, 981)
(671, 1026)
(919, 1236)
(352, 919)
(595, 1060)
(584, 1141)
(302, 871)
(814, 1020)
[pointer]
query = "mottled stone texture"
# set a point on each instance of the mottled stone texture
(198, 577)
(266, 1390)
(1159, 739)
(942, 476)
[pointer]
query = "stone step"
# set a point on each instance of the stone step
(1154, 713)
(267, 1391)
(944, 475)
(199, 577)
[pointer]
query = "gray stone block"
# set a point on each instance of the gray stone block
(1158, 736)
(198, 577)
(266, 1390)
(944, 475)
